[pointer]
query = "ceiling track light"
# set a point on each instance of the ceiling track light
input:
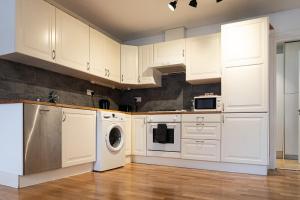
(193, 3)
(172, 5)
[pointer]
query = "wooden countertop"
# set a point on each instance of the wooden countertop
(12, 101)
(8, 101)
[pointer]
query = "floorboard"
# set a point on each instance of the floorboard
(137, 181)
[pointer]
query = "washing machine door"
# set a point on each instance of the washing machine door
(115, 138)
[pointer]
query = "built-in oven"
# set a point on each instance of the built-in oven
(208, 103)
(164, 133)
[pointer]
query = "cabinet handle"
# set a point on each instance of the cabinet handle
(182, 52)
(200, 141)
(223, 118)
(105, 72)
(108, 73)
(53, 54)
(64, 117)
(122, 78)
(139, 79)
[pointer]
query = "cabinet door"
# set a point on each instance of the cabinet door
(245, 138)
(245, 88)
(98, 53)
(202, 131)
(128, 134)
(169, 53)
(129, 64)
(72, 42)
(78, 137)
(35, 29)
(207, 150)
(113, 49)
(245, 43)
(139, 129)
(203, 58)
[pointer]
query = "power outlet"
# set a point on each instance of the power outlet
(138, 99)
(90, 92)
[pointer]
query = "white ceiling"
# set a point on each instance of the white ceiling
(131, 19)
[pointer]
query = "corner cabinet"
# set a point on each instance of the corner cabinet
(129, 64)
(139, 130)
(27, 28)
(78, 137)
(203, 59)
(104, 56)
(245, 82)
(169, 53)
(72, 42)
(245, 138)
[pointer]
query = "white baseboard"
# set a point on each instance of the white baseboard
(10, 180)
(25, 181)
(195, 164)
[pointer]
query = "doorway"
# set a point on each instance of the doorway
(287, 86)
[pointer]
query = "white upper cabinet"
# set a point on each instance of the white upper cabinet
(245, 138)
(98, 58)
(147, 75)
(72, 42)
(35, 29)
(245, 43)
(104, 56)
(129, 64)
(78, 137)
(203, 59)
(169, 53)
(27, 27)
(113, 49)
(245, 83)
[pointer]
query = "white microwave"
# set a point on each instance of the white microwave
(208, 103)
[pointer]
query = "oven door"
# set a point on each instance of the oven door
(172, 143)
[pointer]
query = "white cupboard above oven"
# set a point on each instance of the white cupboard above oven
(203, 59)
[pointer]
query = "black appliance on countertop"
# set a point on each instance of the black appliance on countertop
(125, 108)
(104, 104)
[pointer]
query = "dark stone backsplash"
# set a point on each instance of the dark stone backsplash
(175, 94)
(18, 81)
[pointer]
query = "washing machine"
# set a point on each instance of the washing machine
(110, 141)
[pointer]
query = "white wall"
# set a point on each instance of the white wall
(280, 102)
(285, 24)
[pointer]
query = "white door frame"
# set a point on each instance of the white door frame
(276, 38)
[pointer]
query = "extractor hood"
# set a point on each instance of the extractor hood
(169, 68)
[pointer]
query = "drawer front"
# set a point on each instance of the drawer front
(201, 118)
(202, 131)
(206, 150)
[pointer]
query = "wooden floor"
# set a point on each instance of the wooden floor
(288, 164)
(139, 182)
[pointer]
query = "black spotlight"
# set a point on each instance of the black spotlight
(218, 1)
(193, 3)
(172, 5)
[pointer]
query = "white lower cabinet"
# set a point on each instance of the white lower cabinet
(128, 135)
(206, 150)
(204, 131)
(139, 130)
(78, 137)
(245, 138)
